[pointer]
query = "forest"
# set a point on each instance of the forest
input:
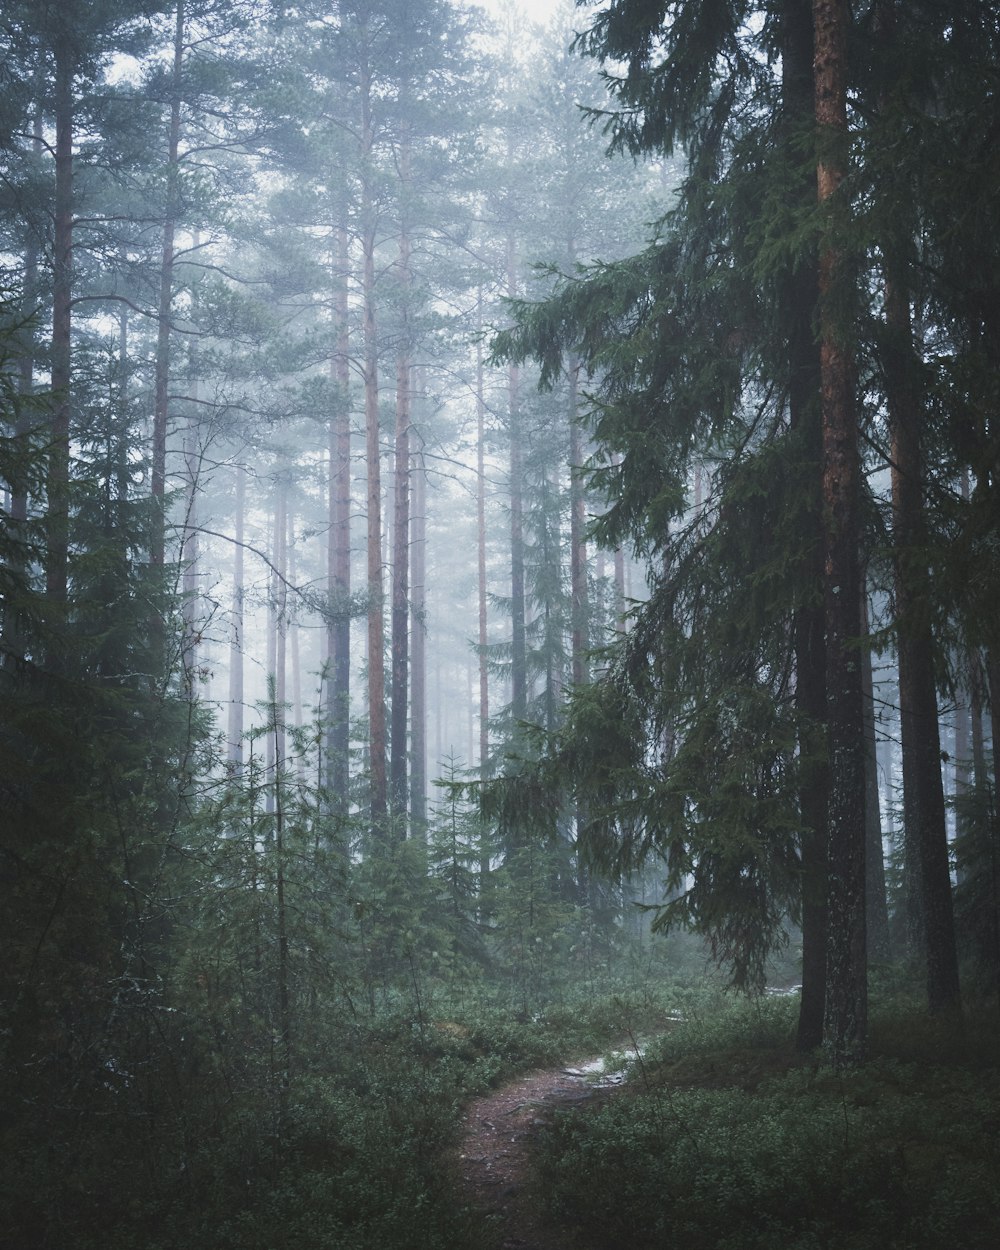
(327, 851)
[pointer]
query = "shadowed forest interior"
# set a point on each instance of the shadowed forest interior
(499, 563)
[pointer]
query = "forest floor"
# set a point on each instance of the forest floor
(495, 1151)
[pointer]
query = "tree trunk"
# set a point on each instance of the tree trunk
(800, 298)
(338, 740)
(57, 484)
(877, 915)
(846, 1022)
(482, 591)
(993, 828)
(418, 653)
(484, 682)
(580, 641)
(401, 544)
(281, 918)
(27, 345)
(189, 553)
(925, 826)
(235, 724)
(158, 467)
(519, 648)
(376, 611)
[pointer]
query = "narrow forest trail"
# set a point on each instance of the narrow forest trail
(495, 1151)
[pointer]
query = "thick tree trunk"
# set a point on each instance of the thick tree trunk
(846, 1022)
(923, 788)
(800, 298)
(993, 829)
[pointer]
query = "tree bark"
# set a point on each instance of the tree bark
(483, 637)
(376, 610)
(189, 552)
(57, 484)
(925, 827)
(26, 355)
(580, 610)
(846, 1021)
(158, 467)
(235, 722)
(338, 644)
(418, 653)
(519, 646)
(800, 299)
(877, 917)
(401, 538)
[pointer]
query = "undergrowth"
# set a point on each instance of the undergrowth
(726, 1140)
(348, 1157)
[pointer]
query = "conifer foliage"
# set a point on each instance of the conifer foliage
(740, 428)
(455, 485)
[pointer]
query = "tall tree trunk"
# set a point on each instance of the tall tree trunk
(620, 596)
(993, 829)
(580, 610)
(294, 636)
(376, 610)
(800, 298)
(401, 538)
(57, 484)
(338, 645)
(189, 553)
(579, 597)
(26, 354)
(483, 637)
(158, 467)
(482, 591)
(235, 723)
(846, 1023)
(962, 775)
(11, 622)
(400, 602)
(280, 610)
(519, 645)
(418, 653)
(877, 915)
(283, 976)
(925, 827)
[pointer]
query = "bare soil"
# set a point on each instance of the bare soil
(495, 1155)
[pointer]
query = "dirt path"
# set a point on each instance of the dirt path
(494, 1158)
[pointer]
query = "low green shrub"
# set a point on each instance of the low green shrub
(899, 1154)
